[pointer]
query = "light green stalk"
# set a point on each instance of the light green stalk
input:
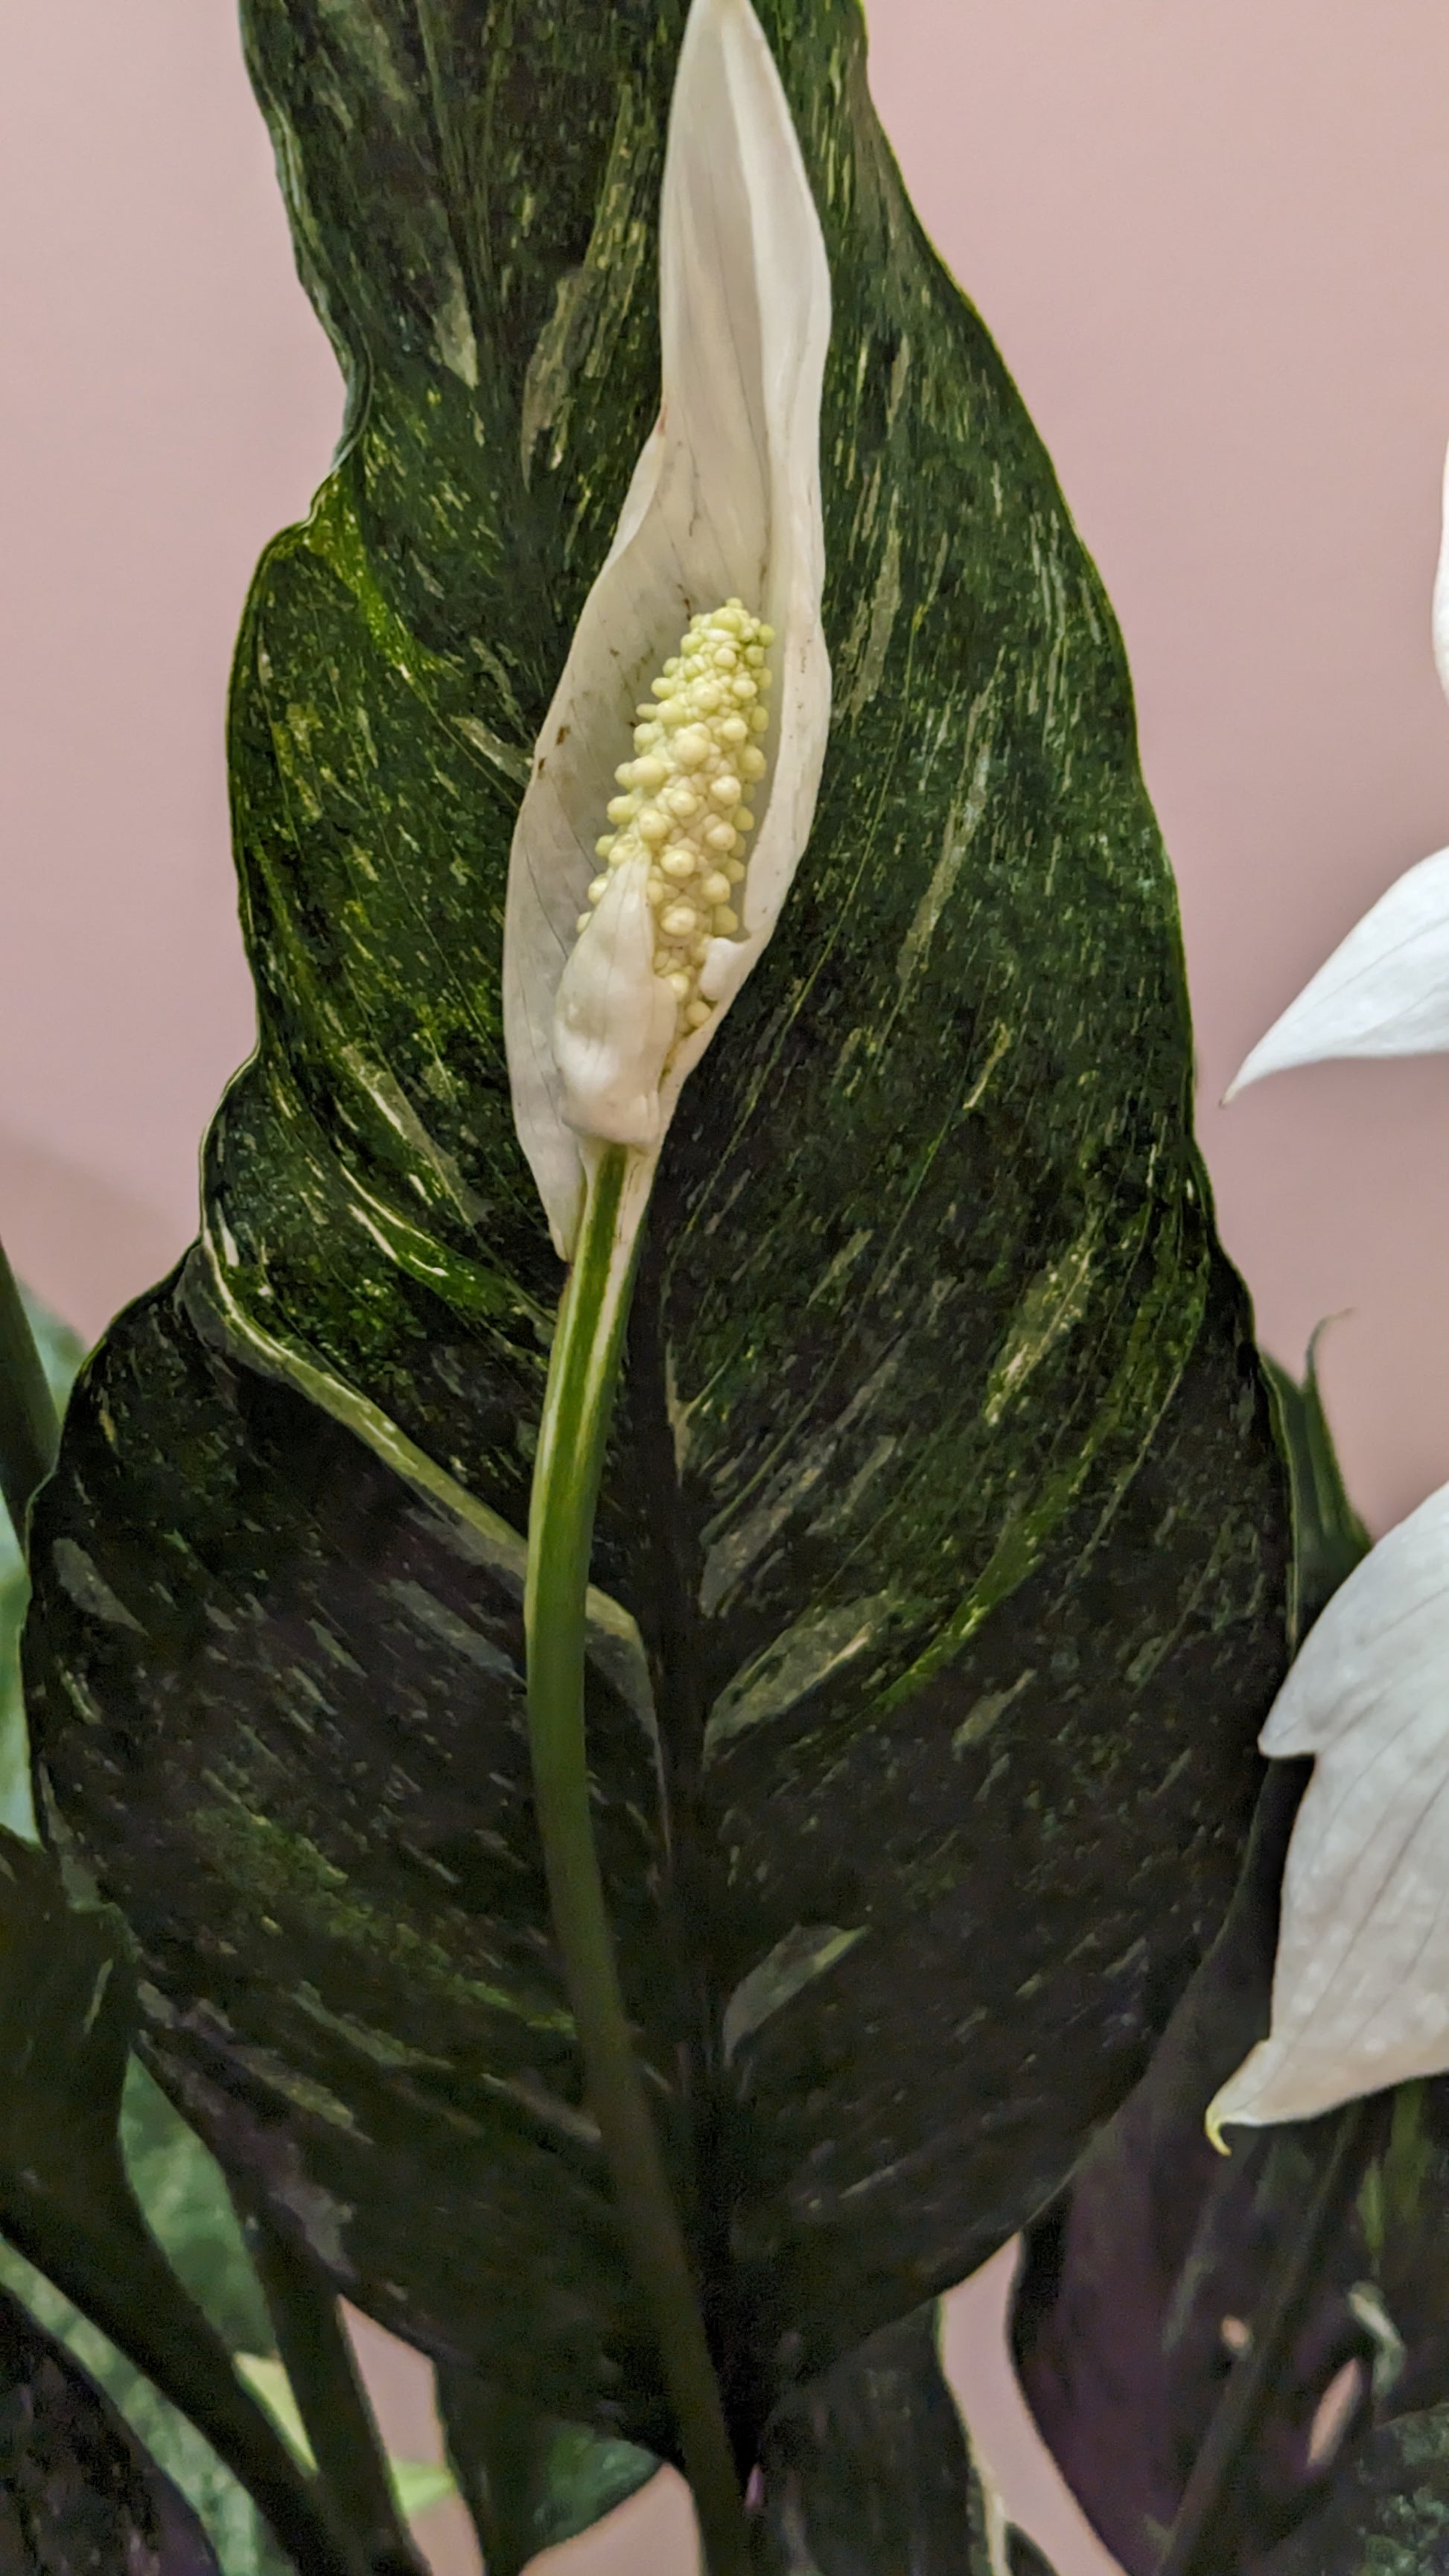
(583, 1374)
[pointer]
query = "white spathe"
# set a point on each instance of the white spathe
(1361, 1980)
(1385, 989)
(724, 503)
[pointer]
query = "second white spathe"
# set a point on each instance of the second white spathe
(1361, 1979)
(1385, 989)
(1383, 992)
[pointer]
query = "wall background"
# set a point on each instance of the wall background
(1214, 246)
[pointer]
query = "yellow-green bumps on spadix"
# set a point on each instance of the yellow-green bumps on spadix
(681, 821)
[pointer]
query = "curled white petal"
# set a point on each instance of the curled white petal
(1384, 991)
(725, 502)
(1361, 1981)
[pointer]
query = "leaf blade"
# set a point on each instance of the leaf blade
(999, 1401)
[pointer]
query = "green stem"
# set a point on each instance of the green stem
(583, 1372)
(29, 1427)
(498, 2452)
(331, 2400)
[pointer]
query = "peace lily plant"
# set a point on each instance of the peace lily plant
(1361, 1983)
(656, 2085)
(641, 892)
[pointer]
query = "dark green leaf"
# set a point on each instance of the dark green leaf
(178, 2184)
(1389, 2514)
(78, 2494)
(67, 2016)
(29, 1423)
(942, 1517)
(61, 1354)
(1404, 2214)
(1161, 2250)
(188, 2209)
(1328, 1536)
(868, 2473)
(529, 2484)
(236, 2530)
(320, 2372)
(1127, 2283)
(1140, 2286)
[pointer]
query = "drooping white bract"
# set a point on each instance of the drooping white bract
(1361, 1981)
(1385, 989)
(724, 512)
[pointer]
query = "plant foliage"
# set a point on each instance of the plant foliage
(943, 1491)
(942, 1556)
(1145, 2284)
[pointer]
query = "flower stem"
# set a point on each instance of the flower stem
(583, 1373)
(29, 1427)
(331, 2400)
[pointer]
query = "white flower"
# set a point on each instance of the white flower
(1385, 989)
(1361, 1981)
(722, 522)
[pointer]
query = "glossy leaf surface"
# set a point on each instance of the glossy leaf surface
(530, 2484)
(236, 2531)
(942, 1548)
(78, 2494)
(61, 1353)
(1388, 2510)
(870, 2469)
(67, 2202)
(1329, 1537)
(1140, 2287)
(1145, 2284)
(186, 2206)
(1389, 2515)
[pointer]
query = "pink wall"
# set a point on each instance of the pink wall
(167, 402)
(1214, 245)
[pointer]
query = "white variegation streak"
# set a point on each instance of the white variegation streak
(1385, 989)
(1361, 1980)
(725, 502)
